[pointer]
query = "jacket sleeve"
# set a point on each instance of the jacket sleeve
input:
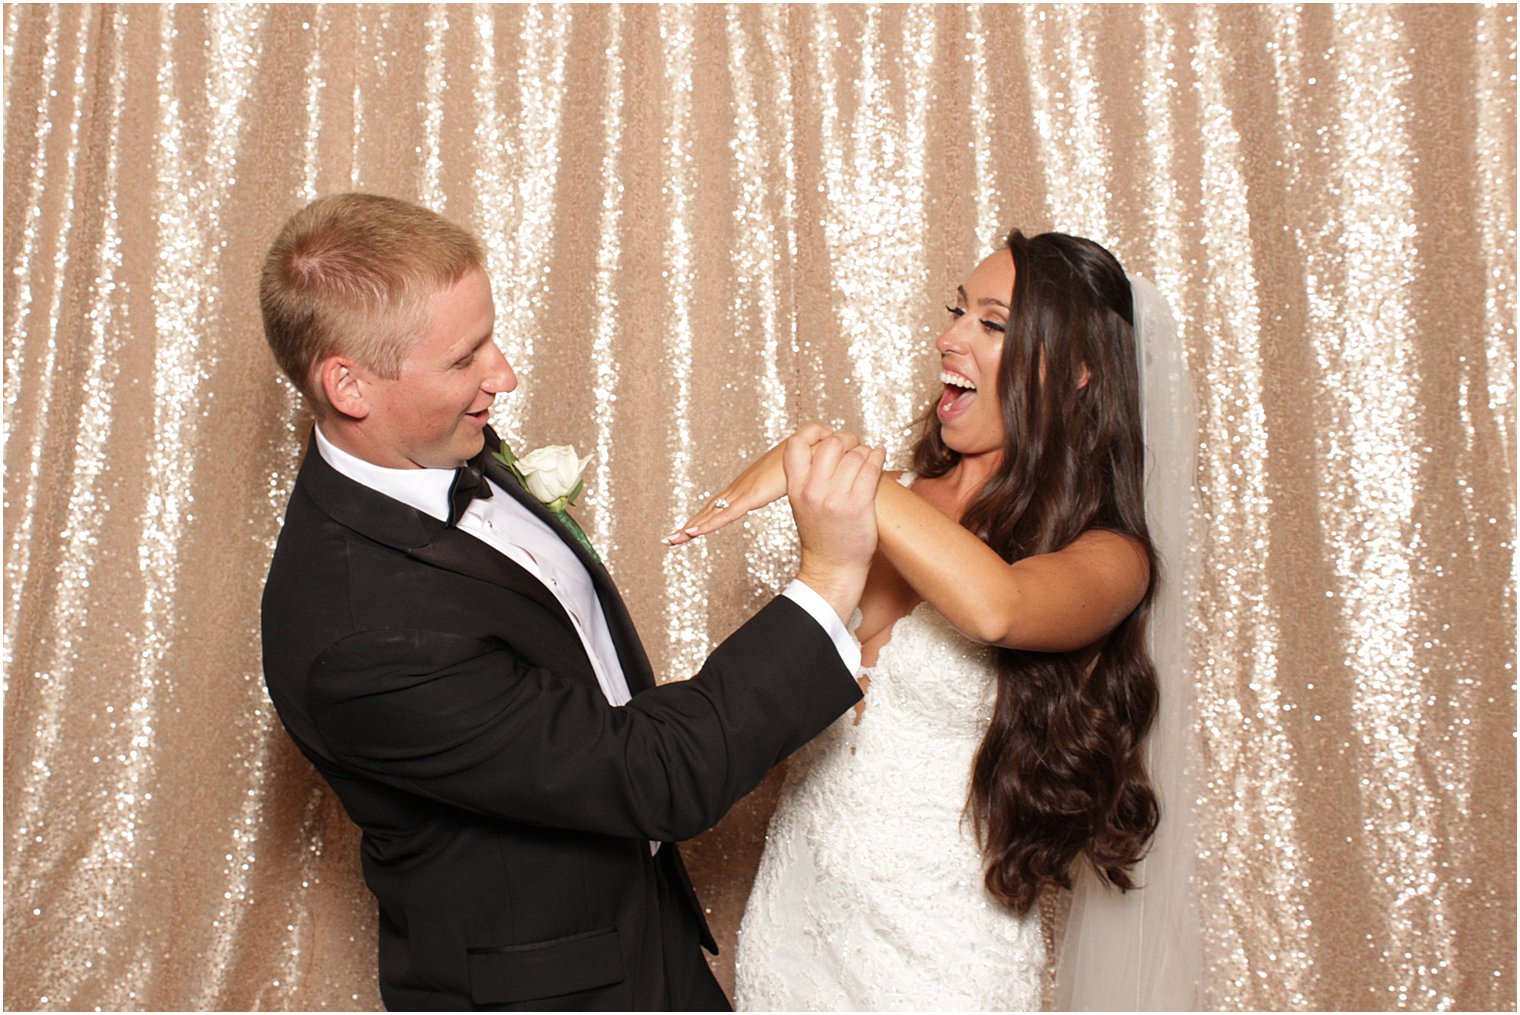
(465, 722)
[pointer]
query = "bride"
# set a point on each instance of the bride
(1001, 748)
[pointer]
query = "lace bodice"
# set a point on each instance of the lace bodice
(869, 894)
(961, 698)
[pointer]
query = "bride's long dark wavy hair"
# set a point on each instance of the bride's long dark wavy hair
(1060, 774)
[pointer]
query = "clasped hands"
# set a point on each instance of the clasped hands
(830, 479)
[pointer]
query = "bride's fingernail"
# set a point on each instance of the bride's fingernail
(695, 530)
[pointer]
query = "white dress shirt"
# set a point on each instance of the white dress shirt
(508, 527)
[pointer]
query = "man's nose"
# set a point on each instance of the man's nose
(499, 376)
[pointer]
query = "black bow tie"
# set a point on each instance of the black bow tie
(469, 483)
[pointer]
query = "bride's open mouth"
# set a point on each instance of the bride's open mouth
(960, 392)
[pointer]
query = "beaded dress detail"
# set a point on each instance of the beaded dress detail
(870, 894)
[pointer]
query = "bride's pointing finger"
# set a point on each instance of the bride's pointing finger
(710, 517)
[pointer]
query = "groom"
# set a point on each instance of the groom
(465, 675)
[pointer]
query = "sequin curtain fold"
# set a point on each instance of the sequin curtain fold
(705, 226)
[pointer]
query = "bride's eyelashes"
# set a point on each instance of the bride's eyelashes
(987, 325)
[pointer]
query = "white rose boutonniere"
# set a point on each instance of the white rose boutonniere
(552, 474)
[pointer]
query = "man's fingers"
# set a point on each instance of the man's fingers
(825, 458)
(833, 465)
(848, 468)
(867, 473)
(870, 471)
(813, 432)
(846, 439)
(797, 461)
(853, 475)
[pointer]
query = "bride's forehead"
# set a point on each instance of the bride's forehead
(992, 277)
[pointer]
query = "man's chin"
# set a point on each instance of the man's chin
(452, 455)
(472, 444)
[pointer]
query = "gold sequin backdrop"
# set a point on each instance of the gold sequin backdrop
(705, 226)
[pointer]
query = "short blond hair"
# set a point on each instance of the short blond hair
(351, 274)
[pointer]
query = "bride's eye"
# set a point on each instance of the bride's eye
(993, 326)
(956, 311)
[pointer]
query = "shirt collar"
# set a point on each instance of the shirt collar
(427, 490)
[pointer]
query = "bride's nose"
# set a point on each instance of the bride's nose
(950, 339)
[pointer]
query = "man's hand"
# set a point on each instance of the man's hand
(832, 489)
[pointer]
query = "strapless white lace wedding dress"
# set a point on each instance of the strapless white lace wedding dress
(869, 895)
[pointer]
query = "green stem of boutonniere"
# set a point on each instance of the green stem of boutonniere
(575, 529)
(559, 507)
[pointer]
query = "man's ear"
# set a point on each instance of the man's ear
(339, 378)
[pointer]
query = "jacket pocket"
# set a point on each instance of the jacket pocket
(542, 969)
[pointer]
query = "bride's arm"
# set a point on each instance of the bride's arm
(762, 482)
(1053, 602)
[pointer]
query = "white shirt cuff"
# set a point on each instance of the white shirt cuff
(819, 609)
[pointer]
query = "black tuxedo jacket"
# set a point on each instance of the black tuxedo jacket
(506, 807)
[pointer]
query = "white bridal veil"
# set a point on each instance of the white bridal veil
(1141, 950)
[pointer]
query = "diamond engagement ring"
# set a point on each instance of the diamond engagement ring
(721, 504)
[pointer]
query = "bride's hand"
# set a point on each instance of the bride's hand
(760, 484)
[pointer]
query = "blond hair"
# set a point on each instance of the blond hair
(351, 274)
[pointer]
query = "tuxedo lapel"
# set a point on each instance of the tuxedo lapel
(426, 539)
(625, 638)
(392, 523)
(463, 554)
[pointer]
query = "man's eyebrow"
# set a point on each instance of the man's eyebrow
(478, 344)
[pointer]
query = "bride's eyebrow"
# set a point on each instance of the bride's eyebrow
(960, 291)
